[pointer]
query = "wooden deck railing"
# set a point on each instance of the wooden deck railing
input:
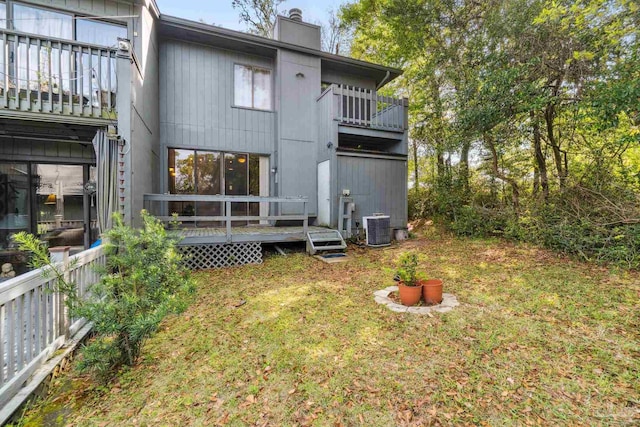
(33, 320)
(160, 205)
(48, 75)
(367, 108)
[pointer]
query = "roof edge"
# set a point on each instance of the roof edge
(274, 44)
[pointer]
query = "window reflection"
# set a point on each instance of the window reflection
(47, 200)
(252, 87)
(44, 64)
(90, 77)
(43, 22)
(182, 180)
(212, 173)
(208, 181)
(60, 204)
(14, 216)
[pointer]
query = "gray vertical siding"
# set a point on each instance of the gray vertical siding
(376, 185)
(46, 151)
(298, 89)
(196, 101)
(144, 149)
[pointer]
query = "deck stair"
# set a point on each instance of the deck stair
(326, 240)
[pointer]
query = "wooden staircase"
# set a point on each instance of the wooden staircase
(323, 241)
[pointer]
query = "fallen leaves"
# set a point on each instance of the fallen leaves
(309, 347)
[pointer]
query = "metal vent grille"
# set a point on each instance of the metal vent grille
(204, 257)
(378, 230)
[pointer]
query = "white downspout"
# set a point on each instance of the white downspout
(386, 78)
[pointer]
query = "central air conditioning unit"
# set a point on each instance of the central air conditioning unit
(377, 229)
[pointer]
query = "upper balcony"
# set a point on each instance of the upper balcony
(365, 108)
(45, 75)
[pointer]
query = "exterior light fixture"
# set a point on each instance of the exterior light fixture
(51, 199)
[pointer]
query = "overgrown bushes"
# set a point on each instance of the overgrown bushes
(143, 282)
(601, 225)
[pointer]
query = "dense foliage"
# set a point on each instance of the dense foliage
(142, 282)
(525, 115)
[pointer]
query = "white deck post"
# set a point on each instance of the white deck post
(228, 219)
(305, 221)
(60, 254)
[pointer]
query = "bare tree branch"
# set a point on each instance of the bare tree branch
(336, 37)
(259, 15)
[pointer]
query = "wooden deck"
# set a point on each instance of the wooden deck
(251, 233)
(228, 233)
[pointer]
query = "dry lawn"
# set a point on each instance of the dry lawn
(538, 340)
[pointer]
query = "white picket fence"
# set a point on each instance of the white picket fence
(34, 322)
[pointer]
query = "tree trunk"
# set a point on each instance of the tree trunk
(439, 161)
(515, 189)
(549, 117)
(464, 169)
(415, 165)
(541, 164)
(438, 110)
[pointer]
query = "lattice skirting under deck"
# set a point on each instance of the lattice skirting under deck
(203, 257)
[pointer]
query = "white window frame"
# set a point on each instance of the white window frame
(252, 68)
(9, 4)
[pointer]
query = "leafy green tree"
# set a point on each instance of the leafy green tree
(519, 106)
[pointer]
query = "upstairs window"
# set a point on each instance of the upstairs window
(3, 15)
(43, 22)
(252, 87)
(99, 33)
(49, 23)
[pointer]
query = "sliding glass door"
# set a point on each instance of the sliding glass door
(216, 173)
(48, 200)
(236, 181)
(209, 179)
(65, 214)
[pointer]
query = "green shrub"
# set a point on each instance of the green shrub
(478, 221)
(592, 223)
(417, 203)
(142, 282)
(407, 270)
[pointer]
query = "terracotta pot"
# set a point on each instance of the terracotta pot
(432, 291)
(409, 295)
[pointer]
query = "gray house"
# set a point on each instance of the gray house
(111, 106)
(108, 106)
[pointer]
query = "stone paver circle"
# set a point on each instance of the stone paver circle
(449, 301)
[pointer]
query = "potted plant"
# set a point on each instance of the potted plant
(409, 284)
(432, 291)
